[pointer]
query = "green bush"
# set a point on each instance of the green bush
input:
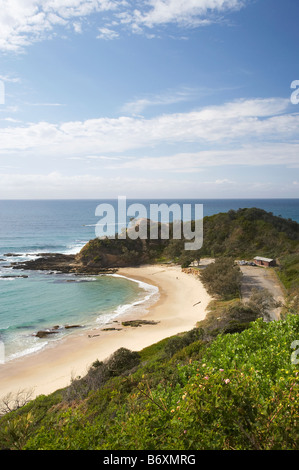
(120, 362)
(243, 394)
(222, 278)
(179, 342)
(239, 391)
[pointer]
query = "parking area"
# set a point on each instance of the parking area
(255, 277)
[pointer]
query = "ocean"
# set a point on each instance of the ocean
(45, 300)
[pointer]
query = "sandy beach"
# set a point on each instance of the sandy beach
(181, 303)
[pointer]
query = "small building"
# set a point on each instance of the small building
(267, 262)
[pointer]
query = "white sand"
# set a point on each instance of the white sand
(182, 303)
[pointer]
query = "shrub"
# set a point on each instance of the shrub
(179, 342)
(240, 392)
(242, 395)
(222, 278)
(120, 362)
(262, 303)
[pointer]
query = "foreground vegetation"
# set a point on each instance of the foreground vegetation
(194, 391)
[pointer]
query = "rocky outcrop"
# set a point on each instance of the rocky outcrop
(98, 256)
(193, 271)
(57, 262)
(54, 330)
(45, 333)
(10, 255)
(137, 323)
(9, 276)
(49, 262)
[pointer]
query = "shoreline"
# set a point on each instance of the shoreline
(176, 310)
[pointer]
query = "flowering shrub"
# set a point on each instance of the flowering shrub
(243, 394)
(240, 392)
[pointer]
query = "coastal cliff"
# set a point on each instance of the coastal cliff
(97, 256)
(241, 234)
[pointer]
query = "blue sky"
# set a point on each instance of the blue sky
(149, 98)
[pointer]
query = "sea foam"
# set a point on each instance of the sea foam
(152, 295)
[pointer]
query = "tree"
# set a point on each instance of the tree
(14, 401)
(222, 278)
(262, 303)
(186, 259)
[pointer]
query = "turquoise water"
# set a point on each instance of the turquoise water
(44, 300)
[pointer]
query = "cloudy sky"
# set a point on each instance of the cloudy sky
(149, 98)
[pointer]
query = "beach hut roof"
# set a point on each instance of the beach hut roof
(260, 258)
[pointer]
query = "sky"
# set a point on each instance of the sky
(149, 99)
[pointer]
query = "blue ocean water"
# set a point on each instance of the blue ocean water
(43, 300)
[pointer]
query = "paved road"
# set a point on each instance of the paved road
(261, 278)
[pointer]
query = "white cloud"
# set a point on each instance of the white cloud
(167, 98)
(22, 22)
(224, 126)
(45, 104)
(183, 12)
(151, 14)
(8, 119)
(107, 33)
(77, 28)
(224, 181)
(55, 185)
(7, 78)
(252, 155)
(95, 158)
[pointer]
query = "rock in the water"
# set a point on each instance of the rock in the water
(11, 254)
(8, 276)
(45, 333)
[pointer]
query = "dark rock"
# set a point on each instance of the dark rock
(11, 254)
(49, 262)
(6, 276)
(61, 263)
(45, 333)
(111, 329)
(136, 323)
(53, 330)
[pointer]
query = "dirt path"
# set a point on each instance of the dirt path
(261, 278)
